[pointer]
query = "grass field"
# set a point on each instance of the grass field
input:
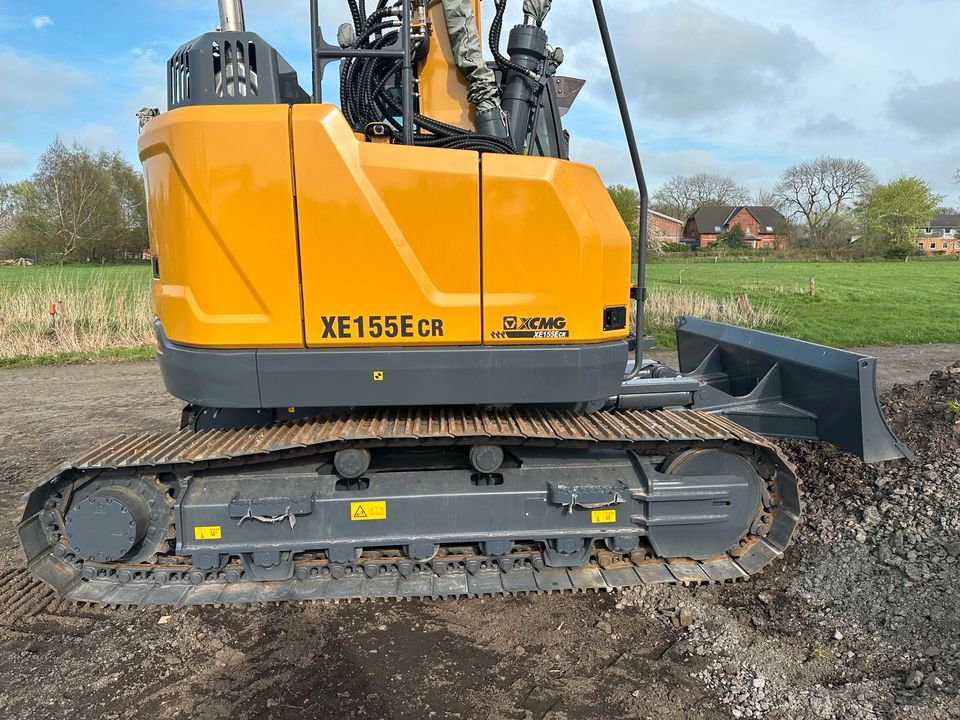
(104, 311)
(867, 303)
(130, 277)
(101, 312)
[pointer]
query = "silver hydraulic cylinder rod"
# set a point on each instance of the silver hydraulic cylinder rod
(231, 16)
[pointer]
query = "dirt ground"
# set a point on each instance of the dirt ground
(859, 621)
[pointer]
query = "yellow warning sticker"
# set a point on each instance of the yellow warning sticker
(369, 510)
(207, 532)
(603, 516)
(378, 375)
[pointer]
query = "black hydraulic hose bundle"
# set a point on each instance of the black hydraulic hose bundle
(496, 32)
(366, 85)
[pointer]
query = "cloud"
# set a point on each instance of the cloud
(11, 156)
(94, 137)
(686, 61)
(932, 110)
(829, 125)
(41, 21)
(612, 162)
(147, 67)
(36, 84)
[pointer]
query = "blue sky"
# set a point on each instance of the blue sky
(743, 88)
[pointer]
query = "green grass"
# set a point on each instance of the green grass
(856, 303)
(133, 276)
(71, 358)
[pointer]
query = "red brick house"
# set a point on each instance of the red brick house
(670, 228)
(762, 225)
(941, 236)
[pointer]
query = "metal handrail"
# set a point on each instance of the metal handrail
(320, 52)
(641, 182)
(405, 54)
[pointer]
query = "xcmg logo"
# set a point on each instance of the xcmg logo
(512, 322)
(536, 328)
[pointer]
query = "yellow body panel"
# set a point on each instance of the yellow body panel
(389, 238)
(443, 90)
(554, 247)
(222, 224)
(388, 248)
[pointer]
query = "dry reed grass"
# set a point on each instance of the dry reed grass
(664, 305)
(109, 312)
(92, 315)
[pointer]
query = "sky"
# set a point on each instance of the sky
(742, 88)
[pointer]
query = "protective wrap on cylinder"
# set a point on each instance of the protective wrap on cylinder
(537, 8)
(468, 54)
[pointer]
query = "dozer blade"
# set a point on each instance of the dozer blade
(781, 387)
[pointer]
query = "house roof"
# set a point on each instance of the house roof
(945, 220)
(766, 216)
(708, 219)
(666, 217)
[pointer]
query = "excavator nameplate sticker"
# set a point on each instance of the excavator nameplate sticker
(603, 516)
(345, 327)
(369, 510)
(532, 328)
(207, 532)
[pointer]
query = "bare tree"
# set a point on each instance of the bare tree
(683, 195)
(820, 193)
(768, 198)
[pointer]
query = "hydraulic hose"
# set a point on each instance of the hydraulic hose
(364, 97)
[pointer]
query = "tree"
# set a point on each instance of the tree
(627, 200)
(682, 196)
(733, 238)
(820, 191)
(768, 198)
(6, 209)
(14, 241)
(892, 213)
(81, 205)
(655, 239)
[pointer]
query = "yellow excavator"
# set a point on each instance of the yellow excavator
(402, 327)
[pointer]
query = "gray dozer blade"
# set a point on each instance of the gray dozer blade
(782, 387)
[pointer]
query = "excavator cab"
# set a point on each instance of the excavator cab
(401, 325)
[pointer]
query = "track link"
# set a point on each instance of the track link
(167, 580)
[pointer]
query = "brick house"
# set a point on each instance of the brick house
(671, 229)
(941, 236)
(762, 225)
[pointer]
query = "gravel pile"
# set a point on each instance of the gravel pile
(881, 550)
(862, 619)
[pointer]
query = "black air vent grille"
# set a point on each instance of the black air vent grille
(235, 69)
(179, 66)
